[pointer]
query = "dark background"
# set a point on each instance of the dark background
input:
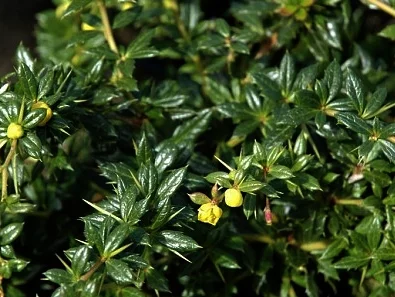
(17, 23)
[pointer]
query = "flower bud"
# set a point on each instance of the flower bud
(14, 131)
(48, 115)
(233, 198)
(214, 191)
(268, 213)
(268, 216)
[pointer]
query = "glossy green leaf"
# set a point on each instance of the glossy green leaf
(378, 177)
(75, 6)
(375, 102)
(148, 178)
(307, 98)
(311, 286)
(351, 262)
(388, 32)
(163, 214)
(355, 123)
(144, 152)
(33, 118)
(126, 17)
(360, 241)
(139, 47)
(388, 149)
(58, 276)
(280, 171)
(334, 248)
(385, 254)
(131, 292)
(31, 145)
(307, 181)
(251, 186)
(333, 78)
(127, 202)
(116, 238)
(326, 268)
(165, 157)
(199, 198)
(28, 81)
(176, 241)
(355, 91)
(222, 178)
(156, 280)
(10, 232)
(171, 183)
(388, 131)
(377, 271)
(136, 261)
(268, 87)
(306, 77)
(191, 129)
(225, 259)
(80, 260)
(222, 27)
(218, 92)
(374, 234)
(169, 102)
(24, 56)
(249, 205)
(287, 73)
(119, 271)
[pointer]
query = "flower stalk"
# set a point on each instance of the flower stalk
(4, 169)
(107, 27)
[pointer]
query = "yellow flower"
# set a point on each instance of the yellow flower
(209, 213)
(170, 4)
(87, 27)
(233, 198)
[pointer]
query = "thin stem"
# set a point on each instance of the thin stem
(384, 7)
(181, 28)
(107, 27)
(15, 174)
(1, 288)
(356, 202)
(93, 269)
(258, 238)
(312, 143)
(4, 170)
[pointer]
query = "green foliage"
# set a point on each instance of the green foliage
(172, 148)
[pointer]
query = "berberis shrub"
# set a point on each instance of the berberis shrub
(201, 148)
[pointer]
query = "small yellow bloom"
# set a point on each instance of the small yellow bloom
(61, 9)
(233, 198)
(87, 27)
(170, 4)
(209, 213)
(14, 131)
(126, 5)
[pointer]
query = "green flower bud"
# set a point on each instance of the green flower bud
(14, 131)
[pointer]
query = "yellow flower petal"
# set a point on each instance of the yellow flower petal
(209, 213)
